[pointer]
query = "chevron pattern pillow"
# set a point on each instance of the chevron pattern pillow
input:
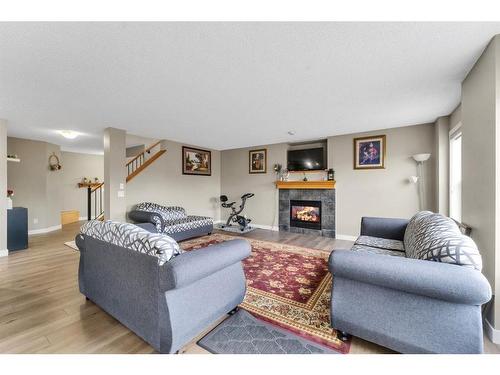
(132, 237)
(435, 237)
(168, 213)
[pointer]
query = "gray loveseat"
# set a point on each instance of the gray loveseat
(164, 295)
(414, 286)
(170, 220)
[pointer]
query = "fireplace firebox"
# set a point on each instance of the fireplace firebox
(305, 214)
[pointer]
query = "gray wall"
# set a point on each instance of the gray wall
(76, 166)
(481, 162)
(114, 174)
(383, 192)
(442, 155)
(35, 185)
(163, 182)
(3, 187)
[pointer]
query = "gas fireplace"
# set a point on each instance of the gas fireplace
(305, 214)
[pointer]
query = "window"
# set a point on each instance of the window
(456, 173)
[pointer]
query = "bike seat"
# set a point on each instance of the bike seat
(247, 195)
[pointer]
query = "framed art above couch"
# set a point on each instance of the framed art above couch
(196, 161)
(369, 152)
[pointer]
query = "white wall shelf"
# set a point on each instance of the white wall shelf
(14, 160)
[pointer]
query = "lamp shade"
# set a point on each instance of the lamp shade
(421, 157)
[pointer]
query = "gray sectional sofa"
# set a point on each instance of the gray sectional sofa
(414, 286)
(170, 220)
(164, 295)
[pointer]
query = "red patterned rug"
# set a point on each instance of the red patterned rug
(289, 286)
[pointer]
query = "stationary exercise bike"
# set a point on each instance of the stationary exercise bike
(235, 212)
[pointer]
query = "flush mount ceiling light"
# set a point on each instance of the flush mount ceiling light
(291, 132)
(69, 134)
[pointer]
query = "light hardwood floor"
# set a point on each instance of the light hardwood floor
(42, 311)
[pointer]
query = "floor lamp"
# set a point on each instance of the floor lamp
(420, 159)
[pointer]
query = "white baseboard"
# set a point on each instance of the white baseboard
(258, 226)
(492, 333)
(345, 237)
(267, 227)
(81, 218)
(44, 230)
(4, 253)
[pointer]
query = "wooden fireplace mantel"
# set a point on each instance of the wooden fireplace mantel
(305, 184)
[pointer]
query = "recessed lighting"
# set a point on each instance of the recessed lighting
(291, 132)
(70, 134)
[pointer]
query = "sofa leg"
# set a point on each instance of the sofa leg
(209, 233)
(233, 311)
(342, 335)
(87, 298)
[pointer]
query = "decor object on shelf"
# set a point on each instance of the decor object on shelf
(369, 152)
(277, 169)
(421, 159)
(305, 177)
(10, 194)
(257, 161)
(13, 157)
(196, 161)
(330, 175)
(54, 163)
(284, 174)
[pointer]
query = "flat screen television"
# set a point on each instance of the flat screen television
(312, 159)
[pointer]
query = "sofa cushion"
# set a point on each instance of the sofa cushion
(381, 243)
(187, 223)
(167, 212)
(431, 236)
(132, 237)
(377, 250)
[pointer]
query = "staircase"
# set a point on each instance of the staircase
(95, 207)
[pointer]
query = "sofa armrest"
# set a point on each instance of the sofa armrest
(442, 281)
(140, 216)
(194, 265)
(389, 228)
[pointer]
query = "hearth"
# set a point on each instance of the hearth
(305, 214)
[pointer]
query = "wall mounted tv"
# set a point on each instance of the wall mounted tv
(311, 159)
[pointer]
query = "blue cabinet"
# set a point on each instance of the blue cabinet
(17, 228)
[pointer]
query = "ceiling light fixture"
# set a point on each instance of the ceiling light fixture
(69, 134)
(291, 132)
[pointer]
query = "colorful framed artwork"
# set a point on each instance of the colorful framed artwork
(257, 161)
(369, 152)
(196, 161)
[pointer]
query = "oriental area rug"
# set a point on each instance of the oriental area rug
(288, 286)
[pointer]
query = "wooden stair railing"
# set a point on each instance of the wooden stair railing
(139, 163)
(94, 200)
(95, 207)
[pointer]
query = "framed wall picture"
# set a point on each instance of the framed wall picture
(196, 161)
(257, 161)
(369, 152)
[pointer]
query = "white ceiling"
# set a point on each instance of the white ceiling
(228, 85)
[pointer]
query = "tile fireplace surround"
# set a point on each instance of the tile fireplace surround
(327, 198)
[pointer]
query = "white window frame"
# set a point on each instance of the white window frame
(455, 133)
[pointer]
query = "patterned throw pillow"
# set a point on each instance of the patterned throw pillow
(132, 237)
(168, 213)
(431, 236)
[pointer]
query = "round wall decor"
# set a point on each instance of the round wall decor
(54, 162)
